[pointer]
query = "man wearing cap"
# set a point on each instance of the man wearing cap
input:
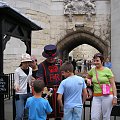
(49, 69)
(22, 83)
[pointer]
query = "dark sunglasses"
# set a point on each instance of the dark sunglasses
(34, 60)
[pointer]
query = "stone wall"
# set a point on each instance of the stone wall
(115, 38)
(99, 24)
(39, 12)
(49, 14)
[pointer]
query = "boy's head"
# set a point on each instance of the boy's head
(66, 69)
(38, 86)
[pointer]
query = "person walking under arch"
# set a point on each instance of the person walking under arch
(74, 65)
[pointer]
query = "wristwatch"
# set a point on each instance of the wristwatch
(115, 97)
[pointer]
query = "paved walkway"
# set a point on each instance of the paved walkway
(9, 111)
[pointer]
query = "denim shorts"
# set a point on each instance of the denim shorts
(72, 113)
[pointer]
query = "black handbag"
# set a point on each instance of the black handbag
(90, 92)
(115, 110)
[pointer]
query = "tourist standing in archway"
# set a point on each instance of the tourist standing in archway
(79, 65)
(74, 65)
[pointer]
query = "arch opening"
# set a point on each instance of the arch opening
(74, 39)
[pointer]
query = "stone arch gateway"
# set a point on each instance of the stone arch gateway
(79, 37)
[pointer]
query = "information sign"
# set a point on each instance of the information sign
(3, 84)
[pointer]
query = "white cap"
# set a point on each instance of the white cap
(26, 58)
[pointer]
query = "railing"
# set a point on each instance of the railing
(116, 109)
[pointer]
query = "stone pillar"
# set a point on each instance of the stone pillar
(115, 38)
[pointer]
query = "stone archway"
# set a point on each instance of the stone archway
(79, 37)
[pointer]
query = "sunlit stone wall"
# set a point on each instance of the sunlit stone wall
(49, 14)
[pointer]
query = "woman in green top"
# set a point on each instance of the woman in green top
(100, 75)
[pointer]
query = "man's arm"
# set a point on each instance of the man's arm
(59, 98)
(84, 93)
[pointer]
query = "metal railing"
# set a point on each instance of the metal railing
(116, 109)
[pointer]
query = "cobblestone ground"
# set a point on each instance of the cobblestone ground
(9, 113)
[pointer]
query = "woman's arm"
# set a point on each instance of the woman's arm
(88, 80)
(16, 83)
(112, 82)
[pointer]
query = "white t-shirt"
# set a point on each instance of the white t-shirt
(21, 80)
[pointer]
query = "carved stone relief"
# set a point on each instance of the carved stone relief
(79, 6)
(72, 7)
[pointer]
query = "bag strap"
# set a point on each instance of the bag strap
(97, 77)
